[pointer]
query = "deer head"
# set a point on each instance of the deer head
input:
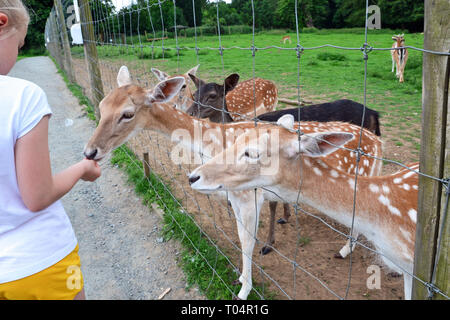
(122, 110)
(185, 97)
(400, 39)
(211, 94)
(256, 150)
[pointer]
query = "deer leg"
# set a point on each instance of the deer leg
(286, 214)
(271, 236)
(247, 217)
(407, 285)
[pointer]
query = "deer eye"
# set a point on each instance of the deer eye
(252, 154)
(127, 116)
(183, 87)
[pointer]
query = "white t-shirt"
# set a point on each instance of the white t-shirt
(29, 241)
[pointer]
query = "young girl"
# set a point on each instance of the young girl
(38, 248)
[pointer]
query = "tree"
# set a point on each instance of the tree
(227, 15)
(188, 13)
(402, 14)
(39, 10)
(310, 13)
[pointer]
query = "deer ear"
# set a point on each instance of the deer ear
(166, 90)
(231, 81)
(193, 71)
(286, 121)
(161, 75)
(323, 143)
(198, 82)
(123, 77)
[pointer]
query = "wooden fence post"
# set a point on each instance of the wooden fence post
(433, 156)
(55, 44)
(65, 40)
(90, 54)
(146, 165)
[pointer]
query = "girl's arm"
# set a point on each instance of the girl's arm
(38, 187)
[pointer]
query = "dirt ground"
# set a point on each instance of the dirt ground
(122, 252)
(305, 239)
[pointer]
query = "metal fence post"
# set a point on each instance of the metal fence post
(90, 54)
(433, 155)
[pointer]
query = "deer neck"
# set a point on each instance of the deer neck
(205, 137)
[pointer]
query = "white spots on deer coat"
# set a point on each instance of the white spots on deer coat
(351, 182)
(415, 187)
(409, 174)
(385, 201)
(345, 160)
(307, 162)
(322, 164)
(350, 169)
(366, 162)
(406, 234)
(386, 189)
(398, 180)
(334, 173)
(317, 171)
(374, 188)
(412, 213)
(406, 186)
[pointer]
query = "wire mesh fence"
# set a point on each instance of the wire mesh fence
(143, 35)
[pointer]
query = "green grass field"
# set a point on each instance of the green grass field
(326, 74)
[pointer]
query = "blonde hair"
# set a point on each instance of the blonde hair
(17, 14)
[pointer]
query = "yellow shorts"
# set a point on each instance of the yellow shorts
(61, 281)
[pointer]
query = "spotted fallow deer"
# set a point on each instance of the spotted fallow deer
(385, 208)
(184, 98)
(243, 101)
(131, 108)
(399, 56)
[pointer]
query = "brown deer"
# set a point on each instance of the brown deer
(184, 98)
(399, 56)
(131, 108)
(243, 101)
(385, 208)
(286, 38)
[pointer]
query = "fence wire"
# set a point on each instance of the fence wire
(114, 35)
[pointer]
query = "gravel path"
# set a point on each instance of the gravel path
(121, 249)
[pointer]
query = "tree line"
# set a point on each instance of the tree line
(149, 16)
(395, 14)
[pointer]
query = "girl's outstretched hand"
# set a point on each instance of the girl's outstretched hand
(91, 170)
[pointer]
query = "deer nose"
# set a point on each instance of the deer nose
(193, 179)
(90, 154)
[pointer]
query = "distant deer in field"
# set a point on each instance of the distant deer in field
(399, 56)
(286, 38)
(183, 99)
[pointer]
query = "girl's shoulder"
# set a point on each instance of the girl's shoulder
(14, 85)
